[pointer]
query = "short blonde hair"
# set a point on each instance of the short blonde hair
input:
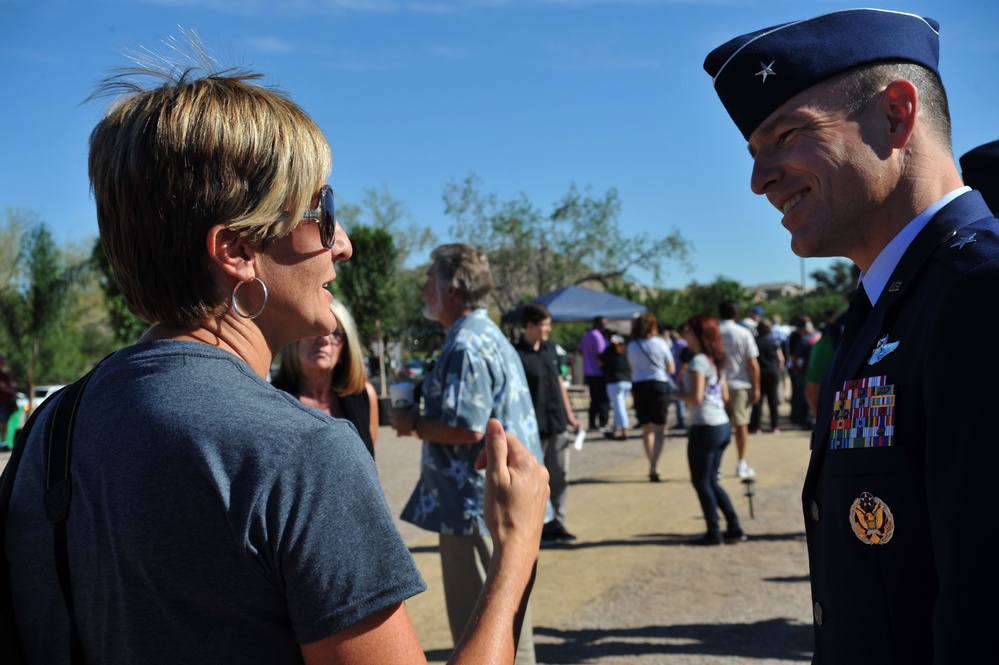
(172, 159)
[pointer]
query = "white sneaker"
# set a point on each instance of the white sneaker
(743, 470)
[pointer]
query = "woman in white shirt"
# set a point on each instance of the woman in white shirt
(705, 392)
(651, 366)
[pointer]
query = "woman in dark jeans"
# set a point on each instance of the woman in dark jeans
(771, 360)
(705, 392)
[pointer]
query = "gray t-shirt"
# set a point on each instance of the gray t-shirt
(711, 411)
(214, 519)
(649, 359)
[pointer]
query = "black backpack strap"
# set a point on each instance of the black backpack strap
(58, 448)
(11, 650)
(58, 485)
(58, 440)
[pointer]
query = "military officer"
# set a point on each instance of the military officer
(847, 123)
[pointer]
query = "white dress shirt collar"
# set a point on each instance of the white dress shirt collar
(875, 279)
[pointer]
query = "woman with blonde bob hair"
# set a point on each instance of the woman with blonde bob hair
(327, 372)
(245, 526)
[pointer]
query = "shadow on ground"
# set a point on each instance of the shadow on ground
(663, 539)
(774, 639)
(631, 480)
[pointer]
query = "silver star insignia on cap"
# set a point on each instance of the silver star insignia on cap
(766, 71)
(964, 241)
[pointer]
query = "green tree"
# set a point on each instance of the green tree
(671, 307)
(126, 326)
(704, 298)
(389, 213)
(838, 279)
(815, 304)
(367, 283)
(10, 242)
(568, 334)
(532, 253)
(415, 331)
(34, 301)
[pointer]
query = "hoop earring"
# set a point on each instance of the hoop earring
(235, 307)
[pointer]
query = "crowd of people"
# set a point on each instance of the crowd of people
(246, 518)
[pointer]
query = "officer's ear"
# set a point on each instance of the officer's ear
(899, 106)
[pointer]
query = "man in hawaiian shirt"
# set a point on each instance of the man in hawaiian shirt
(478, 376)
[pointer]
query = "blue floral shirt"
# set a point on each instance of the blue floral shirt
(478, 376)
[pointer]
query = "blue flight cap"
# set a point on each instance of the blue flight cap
(980, 170)
(756, 73)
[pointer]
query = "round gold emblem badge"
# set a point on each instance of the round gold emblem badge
(871, 520)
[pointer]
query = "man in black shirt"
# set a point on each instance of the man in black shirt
(554, 412)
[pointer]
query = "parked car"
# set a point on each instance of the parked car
(42, 393)
(414, 369)
(14, 423)
(22, 402)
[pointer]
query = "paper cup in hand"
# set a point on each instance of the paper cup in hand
(401, 395)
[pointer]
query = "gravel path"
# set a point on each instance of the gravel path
(631, 590)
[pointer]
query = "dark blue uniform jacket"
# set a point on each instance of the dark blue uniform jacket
(901, 484)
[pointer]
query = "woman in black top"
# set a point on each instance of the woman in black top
(328, 373)
(617, 375)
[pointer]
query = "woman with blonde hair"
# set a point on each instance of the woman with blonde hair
(244, 525)
(327, 372)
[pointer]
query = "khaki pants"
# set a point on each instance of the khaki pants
(464, 562)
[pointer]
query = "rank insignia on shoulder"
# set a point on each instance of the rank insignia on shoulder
(962, 241)
(871, 520)
(883, 348)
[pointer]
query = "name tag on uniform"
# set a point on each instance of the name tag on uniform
(863, 414)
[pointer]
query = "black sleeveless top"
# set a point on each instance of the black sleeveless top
(357, 409)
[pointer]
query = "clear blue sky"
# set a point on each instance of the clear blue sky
(530, 95)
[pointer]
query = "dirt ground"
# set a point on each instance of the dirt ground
(630, 590)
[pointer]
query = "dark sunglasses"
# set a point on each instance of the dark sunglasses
(325, 215)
